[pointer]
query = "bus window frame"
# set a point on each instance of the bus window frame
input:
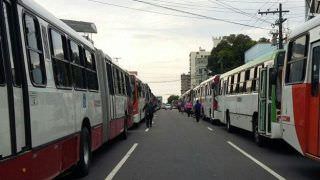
(66, 56)
(39, 39)
(92, 70)
(305, 59)
(72, 64)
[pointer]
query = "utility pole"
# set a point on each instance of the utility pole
(279, 22)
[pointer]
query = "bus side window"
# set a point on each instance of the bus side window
(118, 81)
(236, 83)
(250, 82)
(34, 50)
(110, 79)
(78, 70)
(225, 84)
(61, 66)
(247, 81)
(123, 84)
(315, 71)
(242, 82)
(128, 87)
(2, 76)
(92, 79)
(297, 57)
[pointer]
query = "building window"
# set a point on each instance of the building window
(34, 50)
(297, 58)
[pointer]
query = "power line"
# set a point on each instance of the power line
(255, 2)
(142, 10)
(187, 6)
(199, 15)
(238, 10)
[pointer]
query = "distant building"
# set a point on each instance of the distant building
(185, 83)
(216, 41)
(198, 62)
(258, 50)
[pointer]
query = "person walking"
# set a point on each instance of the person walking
(197, 110)
(189, 108)
(149, 110)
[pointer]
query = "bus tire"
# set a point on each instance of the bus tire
(229, 126)
(124, 134)
(258, 139)
(83, 165)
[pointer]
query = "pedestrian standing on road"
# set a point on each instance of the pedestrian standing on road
(197, 110)
(189, 108)
(149, 110)
(182, 107)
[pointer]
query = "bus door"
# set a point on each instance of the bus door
(262, 95)
(14, 90)
(313, 145)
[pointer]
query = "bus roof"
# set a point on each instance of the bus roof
(259, 60)
(306, 26)
(209, 79)
(47, 16)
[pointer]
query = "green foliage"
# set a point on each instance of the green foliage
(172, 98)
(229, 53)
(264, 40)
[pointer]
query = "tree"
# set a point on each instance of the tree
(264, 40)
(172, 98)
(229, 53)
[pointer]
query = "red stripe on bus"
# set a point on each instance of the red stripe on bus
(300, 99)
(116, 127)
(96, 137)
(44, 163)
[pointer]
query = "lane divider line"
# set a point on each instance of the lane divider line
(265, 167)
(120, 164)
(147, 130)
(210, 129)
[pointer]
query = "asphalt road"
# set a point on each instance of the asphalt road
(177, 147)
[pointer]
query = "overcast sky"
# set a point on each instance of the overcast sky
(158, 45)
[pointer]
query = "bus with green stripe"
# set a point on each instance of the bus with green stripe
(249, 97)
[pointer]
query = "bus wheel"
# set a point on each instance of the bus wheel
(83, 165)
(229, 126)
(124, 134)
(258, 139)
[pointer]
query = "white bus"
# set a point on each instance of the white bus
(205, 94)
(300, 111)
(139, 98)
(54, 109)
(248, 96)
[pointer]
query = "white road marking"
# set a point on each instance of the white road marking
(123, 160)
(147, 130)
(256, 161)
(210, 129)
